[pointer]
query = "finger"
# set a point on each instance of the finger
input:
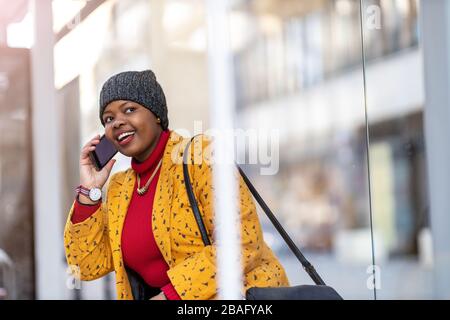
(110, 165)
(92, 143)
(95, 138)
(91, 146)
(85, 152)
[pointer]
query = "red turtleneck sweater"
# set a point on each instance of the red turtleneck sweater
(139, 249)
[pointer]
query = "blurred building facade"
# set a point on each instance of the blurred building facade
(17, 274)
(348, 106)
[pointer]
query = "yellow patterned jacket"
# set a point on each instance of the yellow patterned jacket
(93, 247)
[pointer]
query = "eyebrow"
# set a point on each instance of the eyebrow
(121, 105)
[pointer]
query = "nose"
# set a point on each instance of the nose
(118, 122)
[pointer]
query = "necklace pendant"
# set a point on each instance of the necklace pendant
(141, 191)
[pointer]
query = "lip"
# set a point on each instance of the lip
(116, 136)
(127, 140)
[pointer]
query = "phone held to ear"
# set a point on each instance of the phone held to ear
(104, 151)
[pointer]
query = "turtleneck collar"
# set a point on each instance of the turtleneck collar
(154, 157)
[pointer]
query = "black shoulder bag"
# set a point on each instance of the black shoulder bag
(320, 291)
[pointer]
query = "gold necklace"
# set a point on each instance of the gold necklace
(143, 190)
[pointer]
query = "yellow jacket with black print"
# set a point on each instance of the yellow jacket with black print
(93, 247)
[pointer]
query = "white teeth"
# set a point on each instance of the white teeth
(125, 134)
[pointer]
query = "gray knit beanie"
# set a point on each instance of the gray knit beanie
(140, 87)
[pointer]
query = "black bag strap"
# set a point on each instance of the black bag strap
(191, 196)
(309, 268)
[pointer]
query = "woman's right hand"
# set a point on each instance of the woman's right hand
(89, 176)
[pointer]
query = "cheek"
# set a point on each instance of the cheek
(109, 135)
(145, 137)
(141, 127)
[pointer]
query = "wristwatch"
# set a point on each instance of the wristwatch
(94, 194)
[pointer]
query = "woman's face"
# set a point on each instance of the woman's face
(132, 128)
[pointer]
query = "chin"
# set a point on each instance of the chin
(129, 153)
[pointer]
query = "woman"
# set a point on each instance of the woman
(145, 229)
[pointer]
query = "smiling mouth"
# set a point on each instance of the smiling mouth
(125, 135)
(125, 138)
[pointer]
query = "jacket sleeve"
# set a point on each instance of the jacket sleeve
(195, 277)
(87, 244)
(83, 211)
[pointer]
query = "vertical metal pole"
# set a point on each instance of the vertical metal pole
(48, 225)
(366, 115)
(222, 110)
(435, 35)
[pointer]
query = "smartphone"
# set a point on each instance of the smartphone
(104, 151)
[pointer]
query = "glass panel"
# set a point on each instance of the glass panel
(395, 105)
(16, 184)
(168, 37)
(298, 69)
(298, 81)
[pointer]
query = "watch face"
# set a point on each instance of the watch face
(95, 194)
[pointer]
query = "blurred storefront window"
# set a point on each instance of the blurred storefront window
(16, 183)
(300, 70)
(395, 115)
(294, 46)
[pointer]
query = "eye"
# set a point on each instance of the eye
(107, 119)
(130, 108)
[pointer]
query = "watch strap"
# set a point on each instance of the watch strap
(82, 190)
